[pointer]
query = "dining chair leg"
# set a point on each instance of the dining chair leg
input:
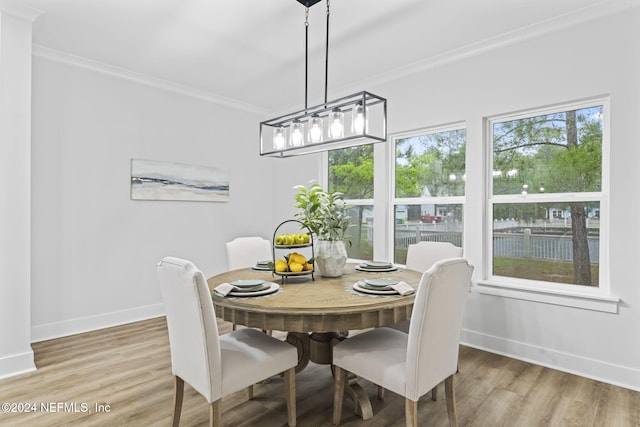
(338, 393)
(215, 413)
(450, 396)
(380, 392)
(178, 392)
(411, 412)
(290, 395)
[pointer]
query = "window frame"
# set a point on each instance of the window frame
(590, 297)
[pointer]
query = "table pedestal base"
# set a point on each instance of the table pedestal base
(318, 347)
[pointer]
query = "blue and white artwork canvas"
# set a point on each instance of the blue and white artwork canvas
(154, 180)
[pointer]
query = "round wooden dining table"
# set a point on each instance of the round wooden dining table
(317, 313)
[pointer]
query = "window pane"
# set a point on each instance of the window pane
(351, 172)
(426, 222)
(431, 165)
(552, 153)
(360, 232)
(552, 242)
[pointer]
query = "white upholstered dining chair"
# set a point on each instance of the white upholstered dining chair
(421, 256)
(244, 252)
(216, 365)
(412, 364)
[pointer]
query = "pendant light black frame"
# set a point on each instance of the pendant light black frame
(373, 128)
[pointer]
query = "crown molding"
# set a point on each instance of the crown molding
(558, 23)
(114, 71)
(19, 10)
(589, 13)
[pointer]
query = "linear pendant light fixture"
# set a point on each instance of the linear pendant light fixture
(349, 121)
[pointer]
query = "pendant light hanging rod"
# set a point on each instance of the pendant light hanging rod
(306, 57)
(326, 57)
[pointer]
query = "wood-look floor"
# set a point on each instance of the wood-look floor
(126, 371)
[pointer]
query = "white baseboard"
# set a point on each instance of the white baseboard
(622, 376)
(17, 364)
(91, 323)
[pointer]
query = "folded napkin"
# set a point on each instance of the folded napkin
(403, 288)
(223, 289)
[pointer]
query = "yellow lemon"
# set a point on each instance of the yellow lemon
(281, 265)
(296, 257)
(295, 267)
(308, 267)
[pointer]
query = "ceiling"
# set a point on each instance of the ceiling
(251, 53)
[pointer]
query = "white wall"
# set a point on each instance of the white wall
(94, 249)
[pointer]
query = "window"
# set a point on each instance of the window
(545, 206)
(429, 182)
(546, 196)
(351, 173)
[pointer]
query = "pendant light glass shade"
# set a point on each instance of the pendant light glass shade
(360, 119)
(336, 124)
(296, 137)
(315, 129)
(279, 138)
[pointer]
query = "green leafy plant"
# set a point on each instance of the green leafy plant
(322, 212)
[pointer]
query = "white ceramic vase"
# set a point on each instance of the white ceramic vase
(331, 256)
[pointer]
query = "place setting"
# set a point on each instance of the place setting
(265, 265)
(376, 267)
(383, 286)
(246, 288)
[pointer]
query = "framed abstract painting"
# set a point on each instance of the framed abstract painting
(155, 180)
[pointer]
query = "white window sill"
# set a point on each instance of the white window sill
(585, 301)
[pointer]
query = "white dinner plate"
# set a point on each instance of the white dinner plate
(366, 290)
(247, 283)
(381, 282)
(373, 288)
(376, 264)
(261, 287)
(273, 287)
(376, 270)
